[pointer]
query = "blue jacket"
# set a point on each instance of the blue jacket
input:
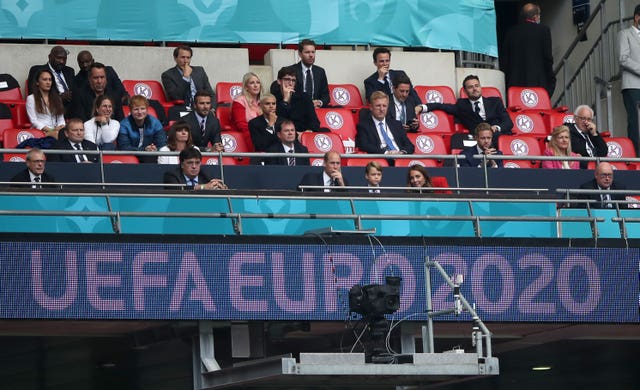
(129, 136)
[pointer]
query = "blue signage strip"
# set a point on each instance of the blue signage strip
(70, 280)
(454, 24)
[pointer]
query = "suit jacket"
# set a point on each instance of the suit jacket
(68, 72)
(494, 110)
(593, 185)
(530, 64)
(260, 137)
(279, 148)
(371, 84)
(367, 138)
(317, 179)
(177, 89)
(629, 49)
(83, 99)
(82, 79)
(320, 83)
(23, 177)
(175, 176)
(64, 144)
(299, 109)
(211, 130)
(579, 144)
(410, 108)
(469, 161)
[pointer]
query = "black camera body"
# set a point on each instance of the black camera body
(376, 300)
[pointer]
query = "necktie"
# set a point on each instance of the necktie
(387, 84)
(308, 84)
(61, 79)
(79, 157)
(385, 136)
(202, 126)
(292, 160)
(193, 182)
(606, 198)
(403, 113)
(37, 181)
(476, 107)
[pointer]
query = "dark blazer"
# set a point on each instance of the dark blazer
(530, 64)
(23, 177)
(316, 179)
(66, 145)
(175, 176)
(82, 79)
(260, 137)
(299, 109)
(410, 108)
(593, 185)
(68, 72)
(320, 83)
(278, 148)
(177, 89)
(211, 129)
(495, 112)
(469, 161)
(367, 138)
(84, 98)
(579, 144)
(371, 84)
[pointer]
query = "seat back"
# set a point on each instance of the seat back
(321, 143)
(13, 137)
(227, 91)
(486, 92)
(362, 162)
(425, 162)
(14, 157)
(213, 160)
(223, 113)
(616, 165)
(436, 122)
(528, 98)
(518, 164)
(339, 121)
(345, 95)
(119, 159)
(429, 144)
(5, 124)
(233, 141)
(9, 88)
(151, 89)
(519, 145)
(620, 147)
(435, 93)
(555, 119)
(528, 122)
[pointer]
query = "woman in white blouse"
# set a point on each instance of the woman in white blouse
(44, 105)
(179, 139)
(102, 129)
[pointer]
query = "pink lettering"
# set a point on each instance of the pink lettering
(142, 281)
(332, 265)
(95, 280)
(237, 281)
(307, 304)
(190, 270)
(71, 282)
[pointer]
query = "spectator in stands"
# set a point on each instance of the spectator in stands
(74, 140)
(418, 177)
(44, 106)
(295, 104)
(81, 80)
(331, 175)
(62, 74)
(246, 106)
(190, 175)
(560, 146)
(382, 79)
(102, 129)
(286, 133)
(183, 80)
(379, 134)
(476, 109)
(263, 127)
(629, 49)
(141, 131)
(373, 176)
(483, 136)
(84, 98)
(205, 127)
(34, 173)
(179, 139)
(585, 139)
(529, 65)
(603, 181)
(310, 78)
(403, 105)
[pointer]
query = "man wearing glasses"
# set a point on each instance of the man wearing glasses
(189, 174)
(603, 181)
(295, 105)
(34, 174)
(585, 139)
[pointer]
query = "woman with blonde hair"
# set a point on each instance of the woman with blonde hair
(560, 146)
(246, 106)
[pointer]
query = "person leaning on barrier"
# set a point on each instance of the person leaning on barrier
(189, 174)
(35, 171)
(560, 146)
(331, 175)
(418, 177)
(603, 180)
(483, 137)
(585, 139)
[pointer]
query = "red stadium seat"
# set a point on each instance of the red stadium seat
(234, 141)
(440, 181)
(223, 113)
(520, 145)
(617, 165)
(486, 92)
(530, 123)
(151, 89)
(518, 164)
(620, 147)
(14, 157)
(436, 122)
(119, 159)
(13, 137)
(339, 121)
(531, 98)
(345, 95)
(435, 94)
(361, 162)
(321, 143)
(425, 162)
(227, 91)
(9, 88)
(5, 124)
(429, 144)
(555, 119)
(150, 110)
(213, 160)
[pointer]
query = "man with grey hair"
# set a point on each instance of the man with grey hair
(585, 139)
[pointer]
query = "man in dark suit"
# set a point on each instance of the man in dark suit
(84, 98)
(530, 64)
(74, 140)
(402, 105)
(378, 134)
(34, 173)
(382, 79)
(603, 181)
(476, 109)
(286, 132)
(483, 137)
(585, 139)
(204, 126)
(331, 175)
(62, 74)
(183, 80)
(263, 128)
(294, 104)
(310, 78)
(81, 80)
(189, 174)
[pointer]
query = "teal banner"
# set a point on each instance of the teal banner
(455, 24)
